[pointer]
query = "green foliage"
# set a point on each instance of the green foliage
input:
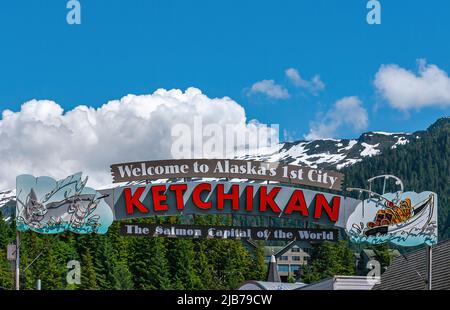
(114, 262)
(181, 258)
(259, 268)
(291, 278)
(329, 259)
(148, 263)
(383, 254)
(6, 233)
(88, 274)
(123, 279)
(6, 268)
(204, 269)
(6, 274)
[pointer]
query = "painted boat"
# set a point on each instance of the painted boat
(420, 218)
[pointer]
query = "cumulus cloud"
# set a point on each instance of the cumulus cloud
(405, 90)
(347, 112)
(273, 90)
(314, 85)
(270, 89)
(43, 139)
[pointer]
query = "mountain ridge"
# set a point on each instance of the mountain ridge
(335, 153)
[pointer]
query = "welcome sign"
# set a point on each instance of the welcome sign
(48, 206)
(225, 168)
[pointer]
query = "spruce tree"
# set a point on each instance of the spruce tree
(203, 268)
(88, 274)
(123, 279)
(148, 263)
(182, 263)
(259, 265)
(105, 262)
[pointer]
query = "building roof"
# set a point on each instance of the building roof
(280, 250)
(270, 286)
(272, 250)
(342, 283)
(409, 272)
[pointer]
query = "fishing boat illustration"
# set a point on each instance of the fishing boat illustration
(396, 212)
(401, 217)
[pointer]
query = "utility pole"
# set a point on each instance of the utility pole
(17, 260)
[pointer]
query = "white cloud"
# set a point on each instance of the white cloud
(406, 90)
(270, 89)
(314, 85)
(347, 112)
(42, 139)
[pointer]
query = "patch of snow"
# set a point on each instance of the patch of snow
(383, 133)
(6, 196)
(388, 133)
(349, 162)
(370, 150)
(296, 150)
(400, 141)
(314, 160)
(263, 152)
(351, 144)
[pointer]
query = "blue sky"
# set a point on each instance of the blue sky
(223, 48)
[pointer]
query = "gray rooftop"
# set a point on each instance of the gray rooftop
(409, 272)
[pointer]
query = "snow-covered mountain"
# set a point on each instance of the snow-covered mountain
(334, 154)
(7, 205)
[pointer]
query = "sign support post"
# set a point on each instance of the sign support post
(17, 282)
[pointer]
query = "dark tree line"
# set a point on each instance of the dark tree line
(112, 261)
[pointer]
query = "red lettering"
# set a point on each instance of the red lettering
(332, 211)
(249, 199)
(221, 196)
(132, 200)
(297, 203)
(179, 189)
(196, 196)
(268, 199)
(158, 198)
